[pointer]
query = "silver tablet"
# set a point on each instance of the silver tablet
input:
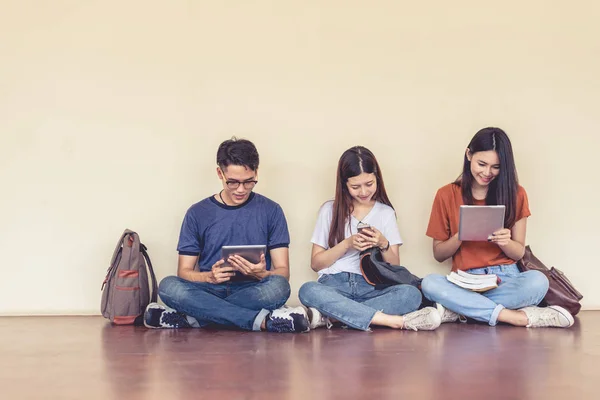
(477, 223)
(251, 253)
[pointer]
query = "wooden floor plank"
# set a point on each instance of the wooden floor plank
(87, 358)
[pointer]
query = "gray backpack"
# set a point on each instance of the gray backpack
(125, 290)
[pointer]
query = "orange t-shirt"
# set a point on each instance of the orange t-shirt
(443, 224)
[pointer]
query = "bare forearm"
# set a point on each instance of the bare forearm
(513, 250)
(281, 271)
(194, 276)
(391, 255)
(444, 250)
(326, 258)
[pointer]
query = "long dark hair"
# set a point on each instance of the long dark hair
(353, 162)
(503, 189)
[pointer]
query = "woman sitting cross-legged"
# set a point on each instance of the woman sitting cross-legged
(341, 293)
(489, 177)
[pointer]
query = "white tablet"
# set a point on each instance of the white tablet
(477, 223)
(251, 253)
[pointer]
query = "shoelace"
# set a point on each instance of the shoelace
(547, 318)
(418, 321)
(409, 327)
(278, 324)
(421, 320)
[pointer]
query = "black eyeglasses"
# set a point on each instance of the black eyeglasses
(232, 184)
(236, 184)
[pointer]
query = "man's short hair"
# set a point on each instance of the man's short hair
(237, 152)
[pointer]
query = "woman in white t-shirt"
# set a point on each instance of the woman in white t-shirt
(341, 293)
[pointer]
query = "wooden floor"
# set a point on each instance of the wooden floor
(86, 358)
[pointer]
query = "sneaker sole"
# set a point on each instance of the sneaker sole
(312, 325)
(438, 322)
(155, 306)
(150, 326)
(441, 310)
(303, 328)
(565, 314)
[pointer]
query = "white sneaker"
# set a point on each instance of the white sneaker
(448, 315)
(425, 319)
(317, 319)
(552, 316)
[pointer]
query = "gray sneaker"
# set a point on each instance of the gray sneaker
(552, 316)
(317, 319)
(448, 315)
(425, 319)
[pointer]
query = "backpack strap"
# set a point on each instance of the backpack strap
(113, 259)
(118, 247)
(154, 296)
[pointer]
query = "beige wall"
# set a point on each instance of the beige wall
(111, 113)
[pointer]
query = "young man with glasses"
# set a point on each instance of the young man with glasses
(234, 292)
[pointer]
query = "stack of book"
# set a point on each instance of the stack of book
(476, 283)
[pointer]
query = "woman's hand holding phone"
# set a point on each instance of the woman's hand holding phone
(358, 242)
(374, 237)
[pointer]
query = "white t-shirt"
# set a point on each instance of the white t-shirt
(381, 217)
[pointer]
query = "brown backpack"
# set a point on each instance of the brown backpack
(125, 290)
(561, 291)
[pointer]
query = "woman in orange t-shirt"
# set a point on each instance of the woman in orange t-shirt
(489, 177)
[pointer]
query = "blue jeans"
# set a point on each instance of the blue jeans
(348, 298)
(516, 290)
(239, 304)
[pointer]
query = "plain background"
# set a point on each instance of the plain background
(111, 113)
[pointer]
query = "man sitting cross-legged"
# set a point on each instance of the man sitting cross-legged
(232, 292)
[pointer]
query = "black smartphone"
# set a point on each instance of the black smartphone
(361, 226)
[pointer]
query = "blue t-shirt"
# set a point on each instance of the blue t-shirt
(209, 225)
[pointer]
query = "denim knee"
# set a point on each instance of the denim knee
(407, 297)
(171, 289)
(275, 290)
(433, 284)
(168, 286)
(536, 284)
(308, 293)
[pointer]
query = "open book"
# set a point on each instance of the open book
(476, 283)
